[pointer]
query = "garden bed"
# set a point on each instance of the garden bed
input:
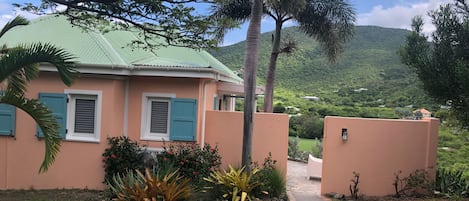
(51, 195)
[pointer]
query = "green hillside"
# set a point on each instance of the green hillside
(370, 62)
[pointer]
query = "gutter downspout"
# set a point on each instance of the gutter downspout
(204, 109)
(126, 107)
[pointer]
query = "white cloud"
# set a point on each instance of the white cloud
(400, 16)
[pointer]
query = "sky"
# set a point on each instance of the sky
(384, 13)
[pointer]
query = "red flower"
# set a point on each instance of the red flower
(170, 153)
(113, 156)
(165, 159)
(181, 163)
(195, 173)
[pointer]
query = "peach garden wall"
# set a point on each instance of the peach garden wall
(225, 129)
(376, 149)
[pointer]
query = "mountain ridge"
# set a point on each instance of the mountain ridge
(370, 62)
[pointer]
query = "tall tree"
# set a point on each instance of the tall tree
(18, 66)
(175, 21)
(330, 22)
(443, 64)
(250, 64)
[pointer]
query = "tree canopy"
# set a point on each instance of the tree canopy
(443, 64)
(176, 21)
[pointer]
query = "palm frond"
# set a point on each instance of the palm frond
(17, 21)
(44, 118)
(229, 14)
(20, 65)
(331, 22)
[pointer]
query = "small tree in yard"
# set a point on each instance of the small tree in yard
(443, 64)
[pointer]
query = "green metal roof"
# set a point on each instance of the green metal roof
(111, 49)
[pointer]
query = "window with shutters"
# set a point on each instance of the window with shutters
(156, 109)
(83, 116)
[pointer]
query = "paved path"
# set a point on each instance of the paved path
(299, 187)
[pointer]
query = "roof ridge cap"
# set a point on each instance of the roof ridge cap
(106, 47)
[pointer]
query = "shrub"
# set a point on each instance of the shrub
(293, 148)
(451, 183)
(271, 177)
(417, 184)
(121, 156)
(238, 183)
(150, 186)
(192, 161)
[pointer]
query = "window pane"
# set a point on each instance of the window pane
(159, 117)
(85, 116)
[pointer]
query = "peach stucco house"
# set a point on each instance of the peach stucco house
(175, 95)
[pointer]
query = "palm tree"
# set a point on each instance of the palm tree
(250, 62)
(18, 66)
(330, 22)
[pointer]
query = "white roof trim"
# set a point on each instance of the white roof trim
(154, 71)
(238, 89)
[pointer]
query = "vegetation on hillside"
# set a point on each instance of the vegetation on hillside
(368, 74)
(443, 64)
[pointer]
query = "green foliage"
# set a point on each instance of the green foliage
(175, 23)
(192, 161)
(150, 186)
(239, 183)
(300, 148)
(307, 125)
(369, 61)
(293, 147)
(451, 183)
(18, 66)
(279, 108)
(443, 65)
(453, 152)
(122, 155)
(273, 179)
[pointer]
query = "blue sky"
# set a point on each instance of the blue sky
(385, 13)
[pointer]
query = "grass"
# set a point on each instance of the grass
(308, 145)
(455, 154)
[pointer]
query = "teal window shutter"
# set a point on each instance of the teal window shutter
(7, 120)
(58, 104)
(183, 119)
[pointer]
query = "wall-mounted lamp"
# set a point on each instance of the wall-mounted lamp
(344, 134)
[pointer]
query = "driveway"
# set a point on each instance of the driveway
(299, 187)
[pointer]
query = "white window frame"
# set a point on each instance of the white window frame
(147, 99)
(71, 135)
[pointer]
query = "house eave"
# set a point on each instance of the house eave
(157, 71)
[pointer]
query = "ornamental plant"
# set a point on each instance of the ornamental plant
(151, 186)
(121, 156)
(192, 161)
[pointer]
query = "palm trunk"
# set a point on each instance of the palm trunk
(269, 82)
(250, 64)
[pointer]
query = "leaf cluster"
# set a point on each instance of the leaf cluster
(176, 23)
(443, 64)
